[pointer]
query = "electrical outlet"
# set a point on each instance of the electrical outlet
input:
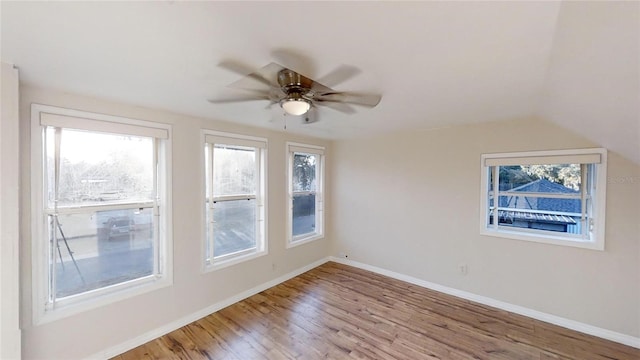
(463, 269)
(273, 266)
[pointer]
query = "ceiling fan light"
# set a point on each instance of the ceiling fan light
(295, 107)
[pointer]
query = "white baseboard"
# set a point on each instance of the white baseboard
(155, 333)
(538, 315)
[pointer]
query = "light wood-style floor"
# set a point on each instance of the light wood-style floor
(337, 312)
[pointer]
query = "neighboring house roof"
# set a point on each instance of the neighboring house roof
(543, 204)
(544, 185)
(516, 215)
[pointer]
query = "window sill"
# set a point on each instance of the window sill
(221, 264)
(304, 240)
(544, 239)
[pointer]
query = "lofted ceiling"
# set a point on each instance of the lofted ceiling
(435, 63)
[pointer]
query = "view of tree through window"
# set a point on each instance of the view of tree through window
(567, 175)
(304, 193)
(304, 172)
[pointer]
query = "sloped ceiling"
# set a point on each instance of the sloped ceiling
(435, 63)
(593, 82)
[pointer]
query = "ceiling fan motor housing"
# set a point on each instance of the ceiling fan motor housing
(292, 82)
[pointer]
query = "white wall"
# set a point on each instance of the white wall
(409, 203)
(9, 222)
(96, 330)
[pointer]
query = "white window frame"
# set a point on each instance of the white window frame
(209, 139)
(593, 236)
(293, 148)
(44, 308)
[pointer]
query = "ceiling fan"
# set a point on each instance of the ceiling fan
(295, 93)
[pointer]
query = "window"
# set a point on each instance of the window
(102, 209)
(306, 216)
(555, 197)
(234, 198)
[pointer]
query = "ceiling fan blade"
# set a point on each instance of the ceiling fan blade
(338, 106)
(338, 75)
(239, 99)
(318, 88)
(236, 67)
(266, 75)
(368, 100)
(246, 71)
(247, 95)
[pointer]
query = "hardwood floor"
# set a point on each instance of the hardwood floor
(337, 312)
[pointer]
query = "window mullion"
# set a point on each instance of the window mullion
(94, 208)
(302, 193)
(234, 197)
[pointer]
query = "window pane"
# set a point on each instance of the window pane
(100, 168)
(304, 214)
(207, 234)
(490, 186)
(50, 153)
(304, 172)
(102, 248)
(234, 226)
(234, 170)
(559, 178)
(207, 166)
